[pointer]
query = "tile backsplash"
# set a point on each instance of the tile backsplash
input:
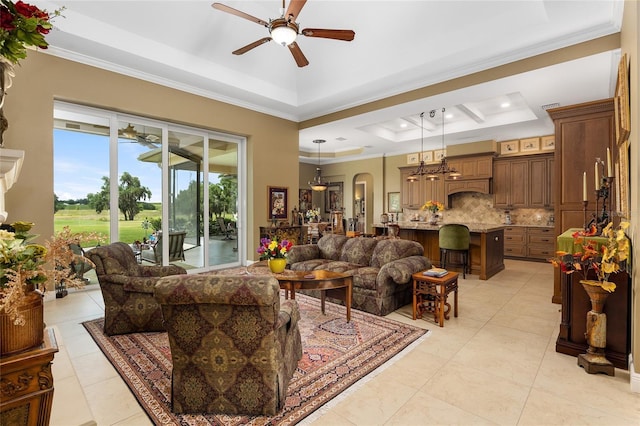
(473, 207)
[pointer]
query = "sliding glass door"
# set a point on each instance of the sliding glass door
(152, 187)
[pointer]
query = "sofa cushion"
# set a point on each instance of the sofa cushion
(358, 250)
(310, 265)
(365, 277)
(339, 266)
(330, 246)
(389, 250)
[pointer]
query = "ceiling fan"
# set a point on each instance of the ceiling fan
(285, 29)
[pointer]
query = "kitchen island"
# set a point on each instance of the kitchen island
(486, 248)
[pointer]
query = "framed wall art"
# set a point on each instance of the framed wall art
(529, 144)
(277, 202)
(439, 154)
(334, 197)
(621, 102)
(509, 147)
(393, 205)
(427, 156)
(305, 200)
(413, 158)
(623, 180)
(548, 143)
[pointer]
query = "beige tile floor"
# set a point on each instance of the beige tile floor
(494, 364)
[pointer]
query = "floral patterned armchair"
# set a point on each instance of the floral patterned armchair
(127, 289)
(234, 344)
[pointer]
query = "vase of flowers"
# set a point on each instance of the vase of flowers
(313, 215)
(21, 25)
(275, 252)
(432, 207)
(609, 258)
(25, 268)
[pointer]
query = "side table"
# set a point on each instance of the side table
(26, 393)
(437, 289)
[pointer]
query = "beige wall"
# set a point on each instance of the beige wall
(42, 78)
(630, 43)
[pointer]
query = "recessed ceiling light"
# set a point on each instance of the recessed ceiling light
(403, 125)
(448, 116)
(505, 105)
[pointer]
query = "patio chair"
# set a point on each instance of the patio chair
(227, 229)
(176, 248)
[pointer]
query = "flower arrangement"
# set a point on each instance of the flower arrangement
(609, 259)
(313, 215)
(22, 25)
(26, 267)
(273, 249)
(432, 206)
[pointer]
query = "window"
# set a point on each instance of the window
(138, 180)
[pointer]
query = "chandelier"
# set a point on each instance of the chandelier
(317, 184)
(442, 168)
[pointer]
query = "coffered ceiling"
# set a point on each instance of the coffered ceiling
(399, 46)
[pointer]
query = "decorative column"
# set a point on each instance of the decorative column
(10, 166)
(594, 361)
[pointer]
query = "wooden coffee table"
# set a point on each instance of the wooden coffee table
(333, 284)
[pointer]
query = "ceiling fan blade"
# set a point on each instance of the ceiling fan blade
(346, 35)
(225, 8)
(301, 60)
(250, 46)
(295, 6)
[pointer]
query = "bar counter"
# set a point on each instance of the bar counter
(486, 249)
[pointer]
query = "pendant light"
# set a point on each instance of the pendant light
(317, 184)
(442, 168)
(421, 170)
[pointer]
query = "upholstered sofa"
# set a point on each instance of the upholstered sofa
(127, 289)
(382, 268)
(234, 344)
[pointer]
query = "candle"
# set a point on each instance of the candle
(596, 175)
(609, 174)
(584, 186)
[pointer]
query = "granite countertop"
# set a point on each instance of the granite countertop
(523, 225)
(473, 227)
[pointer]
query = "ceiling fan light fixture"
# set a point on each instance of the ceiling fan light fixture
(283, 32)
(129, 132)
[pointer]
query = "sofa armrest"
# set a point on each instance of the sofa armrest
(289, 314)
(400, 270)
(302, 252)
(140, 284)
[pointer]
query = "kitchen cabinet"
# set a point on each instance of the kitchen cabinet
(524, 182)
(529, 242)
(510, 183)
(473, 167)
(411, 191)
(415, 194)
(541, 179)
(583, 133)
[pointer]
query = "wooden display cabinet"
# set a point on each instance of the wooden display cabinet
(26, 385)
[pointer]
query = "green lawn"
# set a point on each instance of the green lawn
(87, 220)
(84, 219)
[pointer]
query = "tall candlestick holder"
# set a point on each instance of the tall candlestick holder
(585, 203)
(601, 217)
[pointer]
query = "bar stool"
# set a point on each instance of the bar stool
(454, 238)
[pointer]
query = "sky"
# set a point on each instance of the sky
(82, 159)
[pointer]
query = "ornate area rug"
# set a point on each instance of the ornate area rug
(336, 354)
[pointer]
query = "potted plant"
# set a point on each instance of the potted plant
(596, 259)
(275, 252)
(25, 270)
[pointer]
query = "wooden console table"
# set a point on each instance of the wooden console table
(297, 234)
(26, 385)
